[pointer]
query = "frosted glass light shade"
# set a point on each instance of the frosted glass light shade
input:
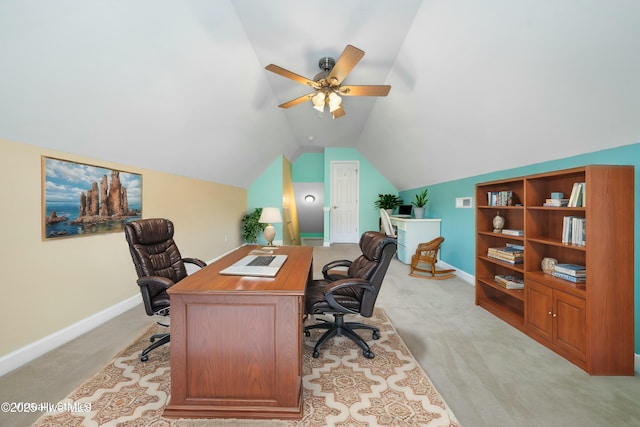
(318, 101)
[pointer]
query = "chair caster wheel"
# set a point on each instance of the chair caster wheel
(376, 335)
(316, 354)
(368, 354)
(144, 358)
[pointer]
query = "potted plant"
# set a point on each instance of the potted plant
(419, 204)
(251, 228)
(388, 202)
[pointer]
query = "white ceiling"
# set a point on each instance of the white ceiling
(180, 86)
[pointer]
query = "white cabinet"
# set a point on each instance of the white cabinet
(411, 232)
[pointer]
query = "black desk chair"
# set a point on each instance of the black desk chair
(159, 266)
(354, 294)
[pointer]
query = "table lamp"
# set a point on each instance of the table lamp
(270, 216)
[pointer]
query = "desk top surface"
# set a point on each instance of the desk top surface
(291, 279)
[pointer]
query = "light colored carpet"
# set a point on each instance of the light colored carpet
(341, 388)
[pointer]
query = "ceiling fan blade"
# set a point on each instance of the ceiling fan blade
(288, 74)
(338, 113)
(349, 58)
(374, 90)
(298, 100)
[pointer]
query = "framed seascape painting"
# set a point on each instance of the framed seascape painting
(81, 200)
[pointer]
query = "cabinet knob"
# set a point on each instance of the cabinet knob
(550, 313)
(555, 315)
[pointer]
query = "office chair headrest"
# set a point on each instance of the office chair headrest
(372, 244)
(151, 231)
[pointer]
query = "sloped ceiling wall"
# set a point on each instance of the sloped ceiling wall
(180, 87)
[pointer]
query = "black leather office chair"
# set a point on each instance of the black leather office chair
(354, 294)
(159, 266)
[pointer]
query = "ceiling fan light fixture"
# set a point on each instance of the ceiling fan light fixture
(318, 101)
(334, 101)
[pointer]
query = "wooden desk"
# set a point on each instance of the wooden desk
(236, 342)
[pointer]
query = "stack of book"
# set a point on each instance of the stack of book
(509, 282)
(572, 272)
(557, 203)
(511, 253)
(574, 231)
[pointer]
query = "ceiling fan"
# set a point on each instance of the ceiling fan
(327, 84)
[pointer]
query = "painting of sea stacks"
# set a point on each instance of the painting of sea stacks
(81, 200)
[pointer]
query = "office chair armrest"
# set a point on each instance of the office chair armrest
(331, 288)
(335, 264)
(195, 261)
(155, 281)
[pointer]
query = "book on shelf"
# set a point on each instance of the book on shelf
(512, 232)
(577, 198)
(509, 282)
(500, 198)
(559, 203)
(568, 277)
(515, 246)
(574, 230)
(575, 270)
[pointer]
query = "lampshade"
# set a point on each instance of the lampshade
(270, 215)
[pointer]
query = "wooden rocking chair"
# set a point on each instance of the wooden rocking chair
(427, 253)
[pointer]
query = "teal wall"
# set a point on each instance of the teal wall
(309, 167)
(372, 183)
(266, 191)
(458, 224)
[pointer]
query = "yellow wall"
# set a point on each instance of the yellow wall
(49, 285)
(290, 232)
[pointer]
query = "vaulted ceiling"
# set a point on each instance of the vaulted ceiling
(180, 86)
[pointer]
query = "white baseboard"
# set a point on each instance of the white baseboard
(36, 349)
(637, 363)
(461, 274)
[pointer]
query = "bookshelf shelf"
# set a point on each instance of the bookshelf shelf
(558, 243)
(591, 323)
(514, 293)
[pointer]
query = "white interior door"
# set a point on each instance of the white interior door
(344, 202)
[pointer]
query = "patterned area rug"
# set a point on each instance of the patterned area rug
(341, 388)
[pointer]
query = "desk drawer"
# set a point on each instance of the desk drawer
(402, 237)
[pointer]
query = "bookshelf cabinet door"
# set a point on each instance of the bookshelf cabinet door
(539, 316)
(569, 324)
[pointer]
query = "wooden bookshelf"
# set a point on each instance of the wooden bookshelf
(591, 324)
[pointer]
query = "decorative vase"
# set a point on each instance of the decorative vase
(548, 264)
(418, 212)
(498, 223)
